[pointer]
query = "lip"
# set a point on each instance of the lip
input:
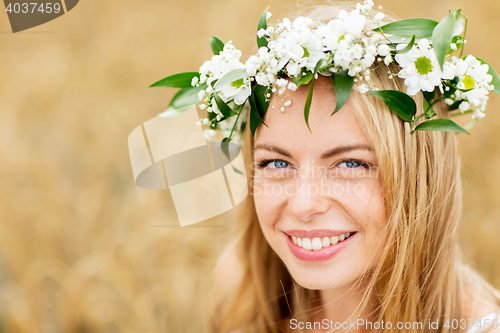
(315, 233)
(320, 255)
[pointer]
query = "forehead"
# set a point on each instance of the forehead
(288, 129)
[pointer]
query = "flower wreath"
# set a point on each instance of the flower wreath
(348, 51)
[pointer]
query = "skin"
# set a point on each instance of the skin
(356, 203)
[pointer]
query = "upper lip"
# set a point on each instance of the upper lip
(315, 233)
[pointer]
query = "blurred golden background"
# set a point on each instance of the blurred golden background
(82, 248)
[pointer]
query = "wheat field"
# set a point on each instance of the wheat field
(82, 248)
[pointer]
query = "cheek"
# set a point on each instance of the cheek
(364, 203)
(268, 202)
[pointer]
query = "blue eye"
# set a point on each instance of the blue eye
(278, 164)
(351, 164)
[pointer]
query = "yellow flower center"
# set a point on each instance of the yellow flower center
(423, 65)
(468, 82)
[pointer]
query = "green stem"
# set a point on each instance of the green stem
(414, 122)
(459, 113)
(382, 32)
(236, 122)
(465, 31)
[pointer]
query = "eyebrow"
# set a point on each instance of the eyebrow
(326, 154)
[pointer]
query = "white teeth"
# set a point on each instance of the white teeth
(306, 244)
(316, 244)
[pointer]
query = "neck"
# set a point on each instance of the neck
(338, 305)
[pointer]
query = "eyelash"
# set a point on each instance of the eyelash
(263, 163)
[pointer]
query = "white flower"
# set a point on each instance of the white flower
(252, 65)
(209, 134)
(473, 75)
(201, 94)
(281, 83)
(292, 86)
(383, 50)
(388, 59)
(194, 81)
(379, 17)
(220, 65)
(420, 68)
(347, 27)
(464, 106)
(458, 28)
(363, 88)
(261, 79)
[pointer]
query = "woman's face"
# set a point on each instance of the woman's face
(313, 190)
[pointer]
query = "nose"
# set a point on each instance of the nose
(307, 201)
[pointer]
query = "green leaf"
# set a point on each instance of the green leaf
(262, 25)
(442, 124)
(428, 110)
(408, 47)
(307, 107)
(255, 118)
(400, 103)
(343, 86)
(225, 147)
(496, 80)
(261, 102)
(420, 27)
(455, 105)
(217, 45)
(237, 171)
(230, 77)
(429, 96)
(319, 64)
(186, 96)
(442, 36)
(302, 79)
(223, 107)
(179, 80)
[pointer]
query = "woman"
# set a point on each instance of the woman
(352, 221)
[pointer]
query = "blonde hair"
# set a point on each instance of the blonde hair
(420, 276)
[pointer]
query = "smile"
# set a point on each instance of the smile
(318, 245)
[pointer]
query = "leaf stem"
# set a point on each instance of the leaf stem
(236, 122)
(465, 31)
(459, 113)
(414, 122)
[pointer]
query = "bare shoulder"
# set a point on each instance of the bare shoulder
(487, 316)
(229, 272)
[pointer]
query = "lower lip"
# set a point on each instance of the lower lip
(319, 255)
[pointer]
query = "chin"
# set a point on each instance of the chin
(323, 277)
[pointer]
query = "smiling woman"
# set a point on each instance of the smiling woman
(352, 219)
